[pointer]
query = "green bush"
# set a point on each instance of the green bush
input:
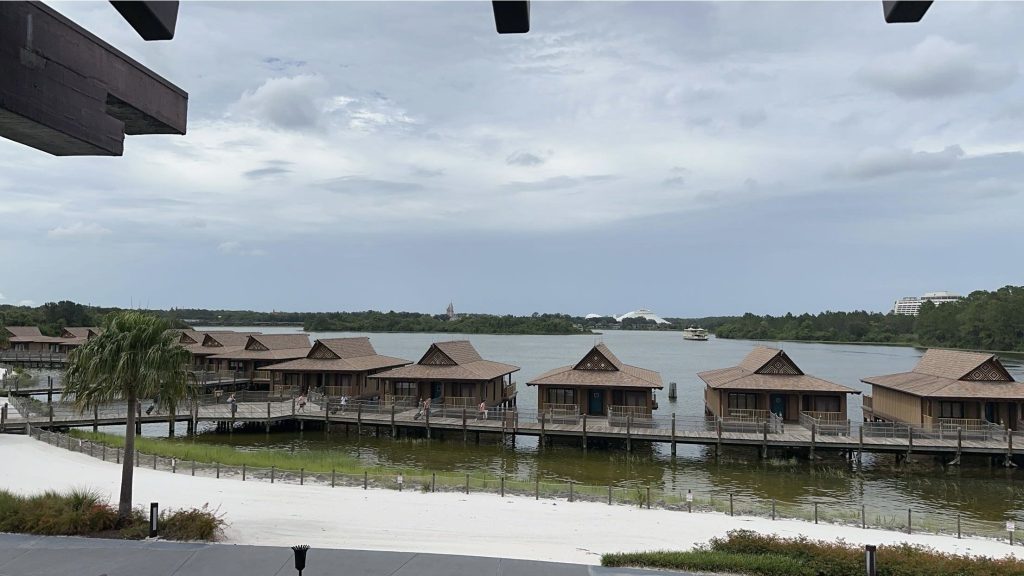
(83, 512)
(746, 552)
(200, 524)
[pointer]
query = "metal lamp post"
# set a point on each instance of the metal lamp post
(300, 557)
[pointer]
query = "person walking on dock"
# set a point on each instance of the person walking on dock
(301, 400)
(233, 404)
(482, 409)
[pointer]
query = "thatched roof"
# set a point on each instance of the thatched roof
(600, 368)
(29, 334)
(769, 369)
(454, 360)
(268, 347)
(218, 342)
(954, 374)
(340, 355)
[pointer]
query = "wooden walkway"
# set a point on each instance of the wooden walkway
(525, 423)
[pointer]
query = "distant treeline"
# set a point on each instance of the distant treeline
(372, 321)
(981, 321)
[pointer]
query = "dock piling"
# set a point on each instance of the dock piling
(814, 433)
(584, 432)
(629, 432)
(673, 428)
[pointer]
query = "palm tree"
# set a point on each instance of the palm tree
(135, 357)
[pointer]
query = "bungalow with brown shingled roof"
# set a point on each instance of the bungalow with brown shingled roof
(768, 380)
(598, 385)
(947, 387)
(30, 339)
(210, 344)
(73, 337)
(259, 351)
(453, 375)
(336, 367)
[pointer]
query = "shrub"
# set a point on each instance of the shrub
(746, 552)
(192, 524)
(83, 512)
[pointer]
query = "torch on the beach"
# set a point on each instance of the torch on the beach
(300, 557)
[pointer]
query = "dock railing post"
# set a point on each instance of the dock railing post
(50, 407)
(910, 440)
(814, 433)
(95, 418)
(764, 441)
(465, 433)
(718, 428)
(959, 442)
(393, 430)
(426, 413)
(542, 419)
(1009, 448)
(359, 418)
(3, 418)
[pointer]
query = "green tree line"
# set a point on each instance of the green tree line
(981, 321)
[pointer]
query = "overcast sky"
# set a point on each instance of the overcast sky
(691, 158)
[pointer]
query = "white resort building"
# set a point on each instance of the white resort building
(910, 305)
(642, 313)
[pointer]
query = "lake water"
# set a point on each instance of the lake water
(976, 489)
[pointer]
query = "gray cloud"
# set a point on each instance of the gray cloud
(752, 118)
(674, 182)
(265, 172)
(420, 172)
(235, 248)
(877, 162)
(291, 103)
(360, 185)
(79, 230)
(938, 68)
(558, 183)
(521, 158)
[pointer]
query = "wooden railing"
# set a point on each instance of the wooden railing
(262, 375)
(746, 420)
(508, 390)
(561, 413)
(630, 415)
(826, 423)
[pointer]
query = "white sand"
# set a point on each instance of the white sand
(411, 521)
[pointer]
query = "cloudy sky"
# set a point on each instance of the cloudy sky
(691, 158)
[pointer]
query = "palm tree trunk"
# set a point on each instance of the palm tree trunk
(124, 506)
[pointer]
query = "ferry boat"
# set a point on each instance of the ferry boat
(694, 333)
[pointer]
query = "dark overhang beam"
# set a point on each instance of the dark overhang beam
(152, 20)
(902, 11)
(512, 16)
(66, 92)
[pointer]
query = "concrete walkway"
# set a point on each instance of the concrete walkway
(22, 555)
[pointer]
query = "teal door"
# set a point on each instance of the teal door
(436, 390)
(778, 405)
(596, 403)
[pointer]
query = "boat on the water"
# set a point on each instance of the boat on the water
(695, 333)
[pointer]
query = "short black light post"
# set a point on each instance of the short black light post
(154, 516)
(300, 557)
(869, 559)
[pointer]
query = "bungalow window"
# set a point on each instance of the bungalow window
(561, 396)
(636, 399)
(742, 401)
(951, 409)
(825, 403)
(405, 389)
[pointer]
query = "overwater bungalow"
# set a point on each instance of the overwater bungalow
(73, 337)
(211, 344)
(950, 389)
(336, 367)
(768, 385)
(30, 339)
(598, 385)
(453, 375)
(259, 351)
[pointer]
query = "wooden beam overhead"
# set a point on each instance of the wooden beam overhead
(512, 16)
(903, 11)
(153, 20)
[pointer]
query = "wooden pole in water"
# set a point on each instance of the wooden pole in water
(359, 419)
(465, 433)
(427, 414)
(629, 432)
(542, 419)
(814, 433)
(584, 432)
(394, 431)
(673, 432)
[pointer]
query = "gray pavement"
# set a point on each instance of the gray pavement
(23, 555)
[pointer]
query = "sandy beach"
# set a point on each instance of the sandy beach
(450, 523)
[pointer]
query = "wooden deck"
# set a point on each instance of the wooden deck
(672, 431)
